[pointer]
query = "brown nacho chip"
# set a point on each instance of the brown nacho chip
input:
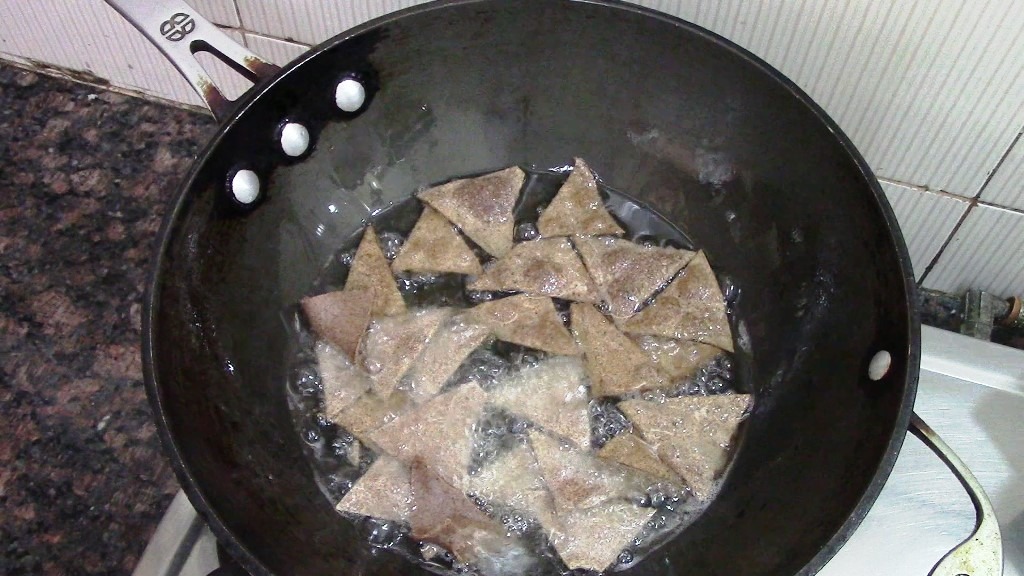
(370, 271)
(526, 320)
(340, 317)
(481, 207)
(628, 273)
(577, 208)
(615, 364)
(382, 492)
(692, 434)
(691, 308)
(545, 267)
(435, 246)
(552, 395)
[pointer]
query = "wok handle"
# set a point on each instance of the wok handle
(179, 32)
(981, 554)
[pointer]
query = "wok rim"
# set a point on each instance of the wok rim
(190, 485)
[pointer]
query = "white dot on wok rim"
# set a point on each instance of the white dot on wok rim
(349, 95)
(245, 186)
(879, 365)
(294, 139)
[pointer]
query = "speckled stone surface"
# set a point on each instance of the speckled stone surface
(85, 177)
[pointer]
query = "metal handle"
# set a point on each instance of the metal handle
(179, 32)
(981, 554)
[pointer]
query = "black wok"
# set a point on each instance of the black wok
(702, 131)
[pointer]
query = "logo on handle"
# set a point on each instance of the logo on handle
(177, 27)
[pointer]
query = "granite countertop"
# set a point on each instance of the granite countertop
(85, 177)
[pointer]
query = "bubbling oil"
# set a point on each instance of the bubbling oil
(338, 459)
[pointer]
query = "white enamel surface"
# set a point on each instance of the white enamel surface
(349, 95)
(294, 139)
(245, 186)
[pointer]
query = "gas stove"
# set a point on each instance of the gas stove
(971, 392)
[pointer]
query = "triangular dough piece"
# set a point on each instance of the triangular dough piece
(615, 364)
(342, 382)
(552, 395)
(447, 349)
(370, 271)
(592, 539)
(629, 273)
(443, 515)
(577, 208)
(545, 267)
(382, 492)
(392, 344)
(679, 359)
(577, 479)
(340, 317)
(691, 308)
(691, 434)
(629, 450)
(528, 321)
(370, 412)
(439, 431)
(513, 479)
(435, 246)
(481, 207)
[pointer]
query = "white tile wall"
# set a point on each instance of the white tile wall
(926, 219)
(987, 252)
(312, 21)
(931, 91)
(220, 12)
(1007, 185)
(277, 51)
(88, 35)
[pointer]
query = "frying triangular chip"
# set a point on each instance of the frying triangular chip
(481, 207)
(370, 412)
(514, 480)
(435, 246)
(592, 539)
(443, 515)
(342, 382)
(577, 208)
(545, 267)
(577, 479)
(528, 321)
(629, 450)
(439, 431)
(691, 434)
(552, 395)
(629, 273)
(615, 364)
(382, 492)
(691, 308)
(340, 317)
(370, 271)
(678, 358)
(447, 349)
(392, 344)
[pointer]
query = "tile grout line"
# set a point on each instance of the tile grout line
(238, 15)
(924, 189)
(971, 204)
(999, 163)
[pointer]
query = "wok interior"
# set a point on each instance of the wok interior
(661, 111)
